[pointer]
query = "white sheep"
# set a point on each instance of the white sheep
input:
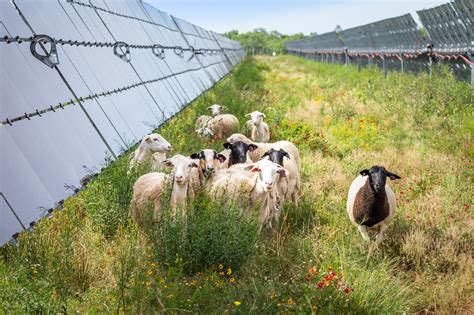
(149, 188)
(152, 146)
(289, 186)
(219, 127)
(371, 202)
(263, 147)
(251, 191)
(260, 131)
(216, 109)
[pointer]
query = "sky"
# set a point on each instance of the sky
(288, 17)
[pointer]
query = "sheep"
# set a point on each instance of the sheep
(263, 147)
(216, 109)
(251, 191)
(202, 121)
(219, 127)
(149, 187)
(289, 186)
(260, 131)
(238, 152)
(371, 202)
(152, 146)
(209, 161)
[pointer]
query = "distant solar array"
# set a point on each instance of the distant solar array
(82, 80)
(396, 43)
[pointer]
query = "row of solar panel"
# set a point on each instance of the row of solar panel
(41, 155)
(450, 27)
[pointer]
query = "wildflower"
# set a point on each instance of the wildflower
(149, 272)
(193, 282)
(221, 273)
(170, 296)
(279, 305)
(54, 295)
(237, 303)
(232, 280)
(148, 283)
(149, 256)
(153, 264)
(290, 301)
(320, 284)
(313, 271)
(132, 281)
(347, 290)
(221, 267)
(229, 271)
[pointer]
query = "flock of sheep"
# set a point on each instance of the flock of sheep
(250, 172)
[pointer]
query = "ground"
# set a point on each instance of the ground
(89, 257)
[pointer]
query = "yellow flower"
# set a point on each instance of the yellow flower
(132, 281)
(221, 267)
(290, 301)
(279, 304)
(153, 264)
(232, 280)
(236, 303)
(221, 273)
(148, 283)
(193, 282)
(149, 272)
(229, 271)
(54, 295)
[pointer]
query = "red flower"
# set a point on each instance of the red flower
(347, 290)
(320, 284)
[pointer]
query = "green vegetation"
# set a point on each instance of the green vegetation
(90, 258)
(260, 41)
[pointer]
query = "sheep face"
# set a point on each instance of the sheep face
(276, 156)
(238, 151)
(256, 117)
(182, 166)
(215, 109)
(268, 173)
(378, 176)
(156, 143)
(238, 137)
(208, 160)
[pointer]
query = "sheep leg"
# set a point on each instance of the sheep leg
(363, 232)
(379, 236)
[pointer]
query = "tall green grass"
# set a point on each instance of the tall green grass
(90, 258)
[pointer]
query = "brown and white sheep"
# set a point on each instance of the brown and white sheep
(371, 202)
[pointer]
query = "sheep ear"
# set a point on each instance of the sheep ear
(266, 154)
(147, 139)
(252, 147)
(263, 115)
(393, 176)
(248, 115)
(252, 168)
(221, 158)
(167, 162)
(227, 145)
(286, 154)
(195, 156)
(194, 164)
(209, 107)
(364, 172)
(283, 172)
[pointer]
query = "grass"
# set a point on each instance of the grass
(90, 258)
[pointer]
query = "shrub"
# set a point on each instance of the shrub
(210, 234)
